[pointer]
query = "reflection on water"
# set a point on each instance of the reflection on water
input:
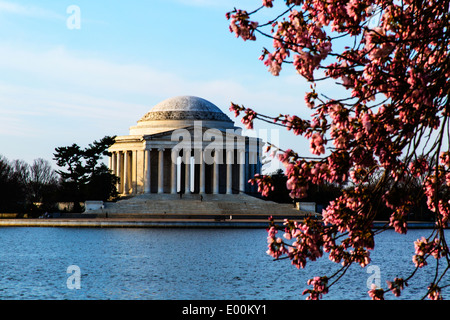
(180, 264)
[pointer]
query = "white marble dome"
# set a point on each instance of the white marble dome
(180, 112)
(185, 107)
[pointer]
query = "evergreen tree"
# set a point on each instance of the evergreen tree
(84, 176)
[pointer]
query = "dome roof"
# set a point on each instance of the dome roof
(185, 108)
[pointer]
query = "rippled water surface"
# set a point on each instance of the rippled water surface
(181, 264)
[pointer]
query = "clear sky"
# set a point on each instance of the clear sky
(60, 86)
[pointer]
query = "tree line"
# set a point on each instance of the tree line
(37, 188)
(24, 185)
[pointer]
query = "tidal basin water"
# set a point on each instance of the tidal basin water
(175, 264)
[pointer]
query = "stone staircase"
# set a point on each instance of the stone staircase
(194, 204)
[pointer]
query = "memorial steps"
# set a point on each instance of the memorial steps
(163, 205)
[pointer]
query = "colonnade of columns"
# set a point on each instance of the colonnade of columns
(134, 169)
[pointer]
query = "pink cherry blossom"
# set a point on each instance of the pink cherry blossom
(317, 144)
(376, 293)
(434, 292)
(386, 132)
(397, 286)
(320, 287)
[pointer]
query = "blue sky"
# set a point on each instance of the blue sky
(60, 86)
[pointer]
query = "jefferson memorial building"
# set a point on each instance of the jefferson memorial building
(185, 145)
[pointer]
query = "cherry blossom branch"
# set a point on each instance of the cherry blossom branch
(397, 75)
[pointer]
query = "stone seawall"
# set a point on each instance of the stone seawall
(223, 222)
(134, 223)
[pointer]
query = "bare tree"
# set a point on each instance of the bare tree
(41, 178)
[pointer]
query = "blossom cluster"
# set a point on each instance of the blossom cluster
(439, 177)
(376, 293)
(397, 286)
(249, 115)
(434, 292)
(396, 75)
(241, 25)
(423, 247)
(263, 182)
(320, 287)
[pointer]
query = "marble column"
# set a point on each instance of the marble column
(116, 155)
(216, 172)
(179, 173)
(119, 172)
(161, 171)
(251, 172)
(113, 163)
(126, 172)
(110, 164)
(133, 171)
(173, 183)
(202, 174)
(147, 169)
(229, 158)
(241, 171)
(187, 172)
